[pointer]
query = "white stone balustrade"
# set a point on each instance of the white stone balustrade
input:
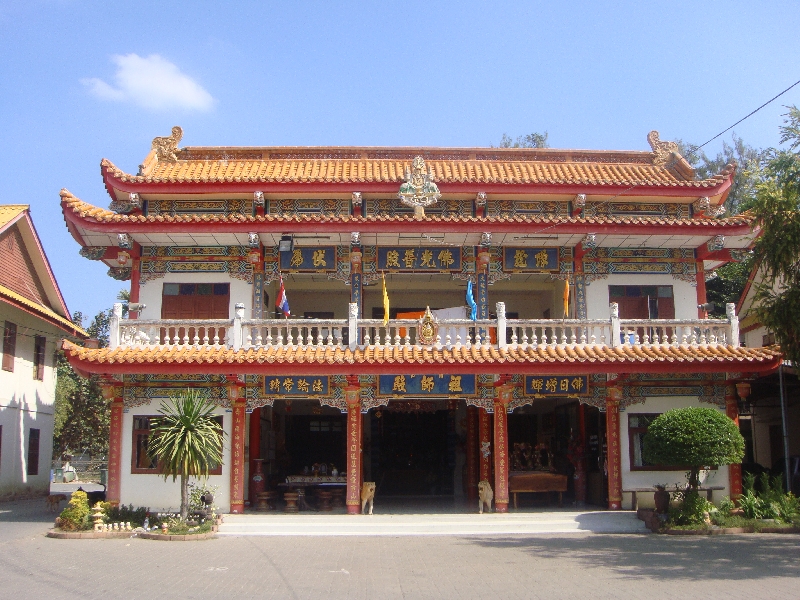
(241, 333)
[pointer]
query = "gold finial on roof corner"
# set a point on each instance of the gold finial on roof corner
(165, 147)
(662, 150)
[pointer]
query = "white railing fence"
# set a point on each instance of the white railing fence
(240, 333)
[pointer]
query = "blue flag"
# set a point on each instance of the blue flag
(473, 308)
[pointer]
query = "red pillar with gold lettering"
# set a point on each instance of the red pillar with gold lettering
(471, 451)
(484, 445)
(614, 452)
(255, 452)
(353, 397)
(114, 484)
(238, 404)
(502, 398)
(734, 471)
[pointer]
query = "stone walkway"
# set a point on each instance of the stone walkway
(580, 564)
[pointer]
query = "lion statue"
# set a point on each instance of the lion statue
(367, 495)
(485, 496)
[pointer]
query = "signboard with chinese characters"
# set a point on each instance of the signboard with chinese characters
(530, 259)
(309, 258)
(427, 385)
(435, 258)
(556, 385)
(296, 385)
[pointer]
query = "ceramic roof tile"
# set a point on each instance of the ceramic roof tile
(85, 210)
(399, 357)
(388, 165)
(8, 212)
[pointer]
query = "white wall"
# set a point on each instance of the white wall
(597, 300)
(150, 292)
(27, 403)
(647, 479)
(151, 490)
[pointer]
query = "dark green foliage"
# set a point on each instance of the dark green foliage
(767, 500)
(125, 514)
(75, 515)
(187, 440)
(728, 285)
(692, 510)
(82, 415)
(532, 140)
(747, 159)
(777, 212)
(694, 438)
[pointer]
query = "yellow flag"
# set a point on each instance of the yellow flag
(566, 299)
(385, 302)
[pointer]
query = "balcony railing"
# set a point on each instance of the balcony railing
(240, 333)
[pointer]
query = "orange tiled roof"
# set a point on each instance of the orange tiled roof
(8, 212)
(40, 309)
(87, 211)
(389, 165)
(326, 359)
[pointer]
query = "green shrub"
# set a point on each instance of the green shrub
(126, 514)
(694, 438)
(691, 511)
(75, 515)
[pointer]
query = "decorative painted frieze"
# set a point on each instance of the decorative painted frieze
(157, 261)
(598, 263)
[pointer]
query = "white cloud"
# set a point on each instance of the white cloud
(151, 82)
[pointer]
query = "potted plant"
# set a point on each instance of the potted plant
(661, 498)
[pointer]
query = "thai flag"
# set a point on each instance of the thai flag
(282, 302)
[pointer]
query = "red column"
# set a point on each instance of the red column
(734, 471)
(502, 398)
(472, 453)
(255, 447)
(135, 274)
(614, 456)
(484, 445)
(237, 453)
(113, 487)
(353, 396)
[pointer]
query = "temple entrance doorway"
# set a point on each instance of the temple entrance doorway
(412, 454)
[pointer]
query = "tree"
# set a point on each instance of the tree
(532, 140)
(731, 278)
(777, 212)
(748, 161)
(82, 415)
(186, 440)
(694, 438)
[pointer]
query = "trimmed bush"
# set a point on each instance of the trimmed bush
(693, 438)
(76, 514)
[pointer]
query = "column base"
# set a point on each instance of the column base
(353, 509)
(501, 507)
(237, 508)
(615, 505)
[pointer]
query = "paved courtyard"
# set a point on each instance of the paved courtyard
(566, 565)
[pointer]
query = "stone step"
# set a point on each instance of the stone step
(539, 523)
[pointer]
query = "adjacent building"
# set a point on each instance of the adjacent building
(34, 318)
(424, 318)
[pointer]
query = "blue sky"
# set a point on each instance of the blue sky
(81, 81)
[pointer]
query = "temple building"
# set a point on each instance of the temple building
(421, 318)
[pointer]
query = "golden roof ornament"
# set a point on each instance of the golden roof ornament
(427, 328)
(662, 150)
(419, 190)
(166, 147)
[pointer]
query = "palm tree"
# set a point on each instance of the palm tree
(186, 440)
